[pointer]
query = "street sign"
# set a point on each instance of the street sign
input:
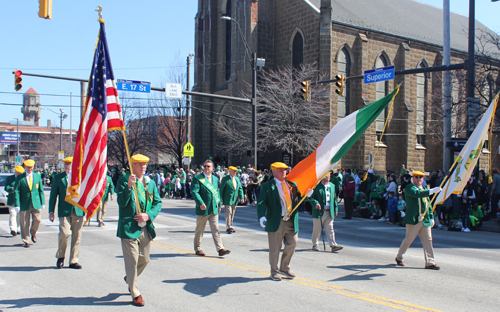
(173, 90)
(134, 86)
(18, 161)
(379, 74)
(9, 138)
(61, 155)
(188, 150)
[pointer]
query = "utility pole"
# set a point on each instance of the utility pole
(18, 138)
(71, 120)
(188, 101)
(446, 85)
(472, 104)
(83, 99)
(254, 108)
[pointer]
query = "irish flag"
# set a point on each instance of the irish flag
(337, 142)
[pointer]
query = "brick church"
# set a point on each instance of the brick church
(341, 37)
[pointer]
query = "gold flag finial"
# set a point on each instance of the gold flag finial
(99, 10)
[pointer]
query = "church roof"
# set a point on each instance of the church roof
(409, 19)
(31, 91)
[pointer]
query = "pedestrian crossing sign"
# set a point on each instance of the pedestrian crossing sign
(188, 150)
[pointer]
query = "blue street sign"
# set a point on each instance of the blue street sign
(379, 74)
(134, 86)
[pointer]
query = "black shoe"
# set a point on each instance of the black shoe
(18, 233)
(228, 231)
(346, 218)
(75, 266)
(14, 233)
(60, 263)
(232, 230)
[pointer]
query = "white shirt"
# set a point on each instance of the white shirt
(328, 195)
(209, 178)
(282, 195)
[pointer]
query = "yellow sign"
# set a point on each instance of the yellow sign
(188, 150)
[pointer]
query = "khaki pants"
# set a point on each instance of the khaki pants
(14, 221)
(102, 211)
(425, 234)
(327, 221)
(201, 223)
(229, 211)
(71, 225)
(284, 234)
(25, 218)
(136, 257)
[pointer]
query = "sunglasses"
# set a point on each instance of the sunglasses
(207, 166)
(418, 177)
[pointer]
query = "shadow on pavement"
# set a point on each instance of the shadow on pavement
(206, 286)
(152, 256)
(26, 268)
(67, 301)
(359, 272)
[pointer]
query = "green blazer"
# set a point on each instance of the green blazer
(58, 188)
(229, 195)
(269, 205)
(414, 197)
(202, 195)
(24, 197)
(319, 197)
(128, 228)
(9, 188)
(110, 189)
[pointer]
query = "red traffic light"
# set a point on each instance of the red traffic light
(18, 80)
(18, 73)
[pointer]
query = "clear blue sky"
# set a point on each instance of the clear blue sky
(145, 38)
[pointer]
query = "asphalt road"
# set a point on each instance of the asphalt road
(361, 277)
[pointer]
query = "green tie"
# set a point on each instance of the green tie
(141, 195)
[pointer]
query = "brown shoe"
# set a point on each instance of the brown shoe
(26, 245)
(399, 262)
(432, 267)
(200, 253)
(33, 238)
(276, 277)
(138, 301)
(223, 252)
(287, 274)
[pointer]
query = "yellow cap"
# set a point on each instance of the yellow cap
(278, 165)
(29, 162)
(68, 160)
(417, 173)
(139, 159)
(19, 169)
(233, 168)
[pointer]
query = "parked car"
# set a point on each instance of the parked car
(3, 193)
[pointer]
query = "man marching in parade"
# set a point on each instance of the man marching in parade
(205, 192)
(231, 192)
(70, 218)
(417, 199)
(276, 200)
(14, 221)
(30, 201)
(136, 230)
(324, 202)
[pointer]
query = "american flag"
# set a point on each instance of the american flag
(87, 179)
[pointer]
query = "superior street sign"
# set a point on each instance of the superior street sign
(134, 86)
(379, 74)
(173, 90)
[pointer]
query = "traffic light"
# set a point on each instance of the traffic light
(340, 84)
(45, 9)
(305, 90)
(18, 80)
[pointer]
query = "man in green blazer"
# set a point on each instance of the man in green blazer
(14, 222)
(277, 198)
(135, 228)
(30, 201)
(205, 192)
(108, 192)
(417, 198)
(324, 203)
(231, 192)
(70, 218)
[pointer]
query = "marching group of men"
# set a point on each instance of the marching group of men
(139, 204)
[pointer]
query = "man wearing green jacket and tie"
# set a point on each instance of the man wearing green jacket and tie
(205, 192)
(324, 203)
(10, 182)
(136, 230)
(70, 218)
(276, 200)
(231, 192)
(30, 201)
(109, 191)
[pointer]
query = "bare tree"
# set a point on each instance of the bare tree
(285, 121)
(140, 129)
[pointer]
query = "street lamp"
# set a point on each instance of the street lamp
(62, 116)
(252, 57)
